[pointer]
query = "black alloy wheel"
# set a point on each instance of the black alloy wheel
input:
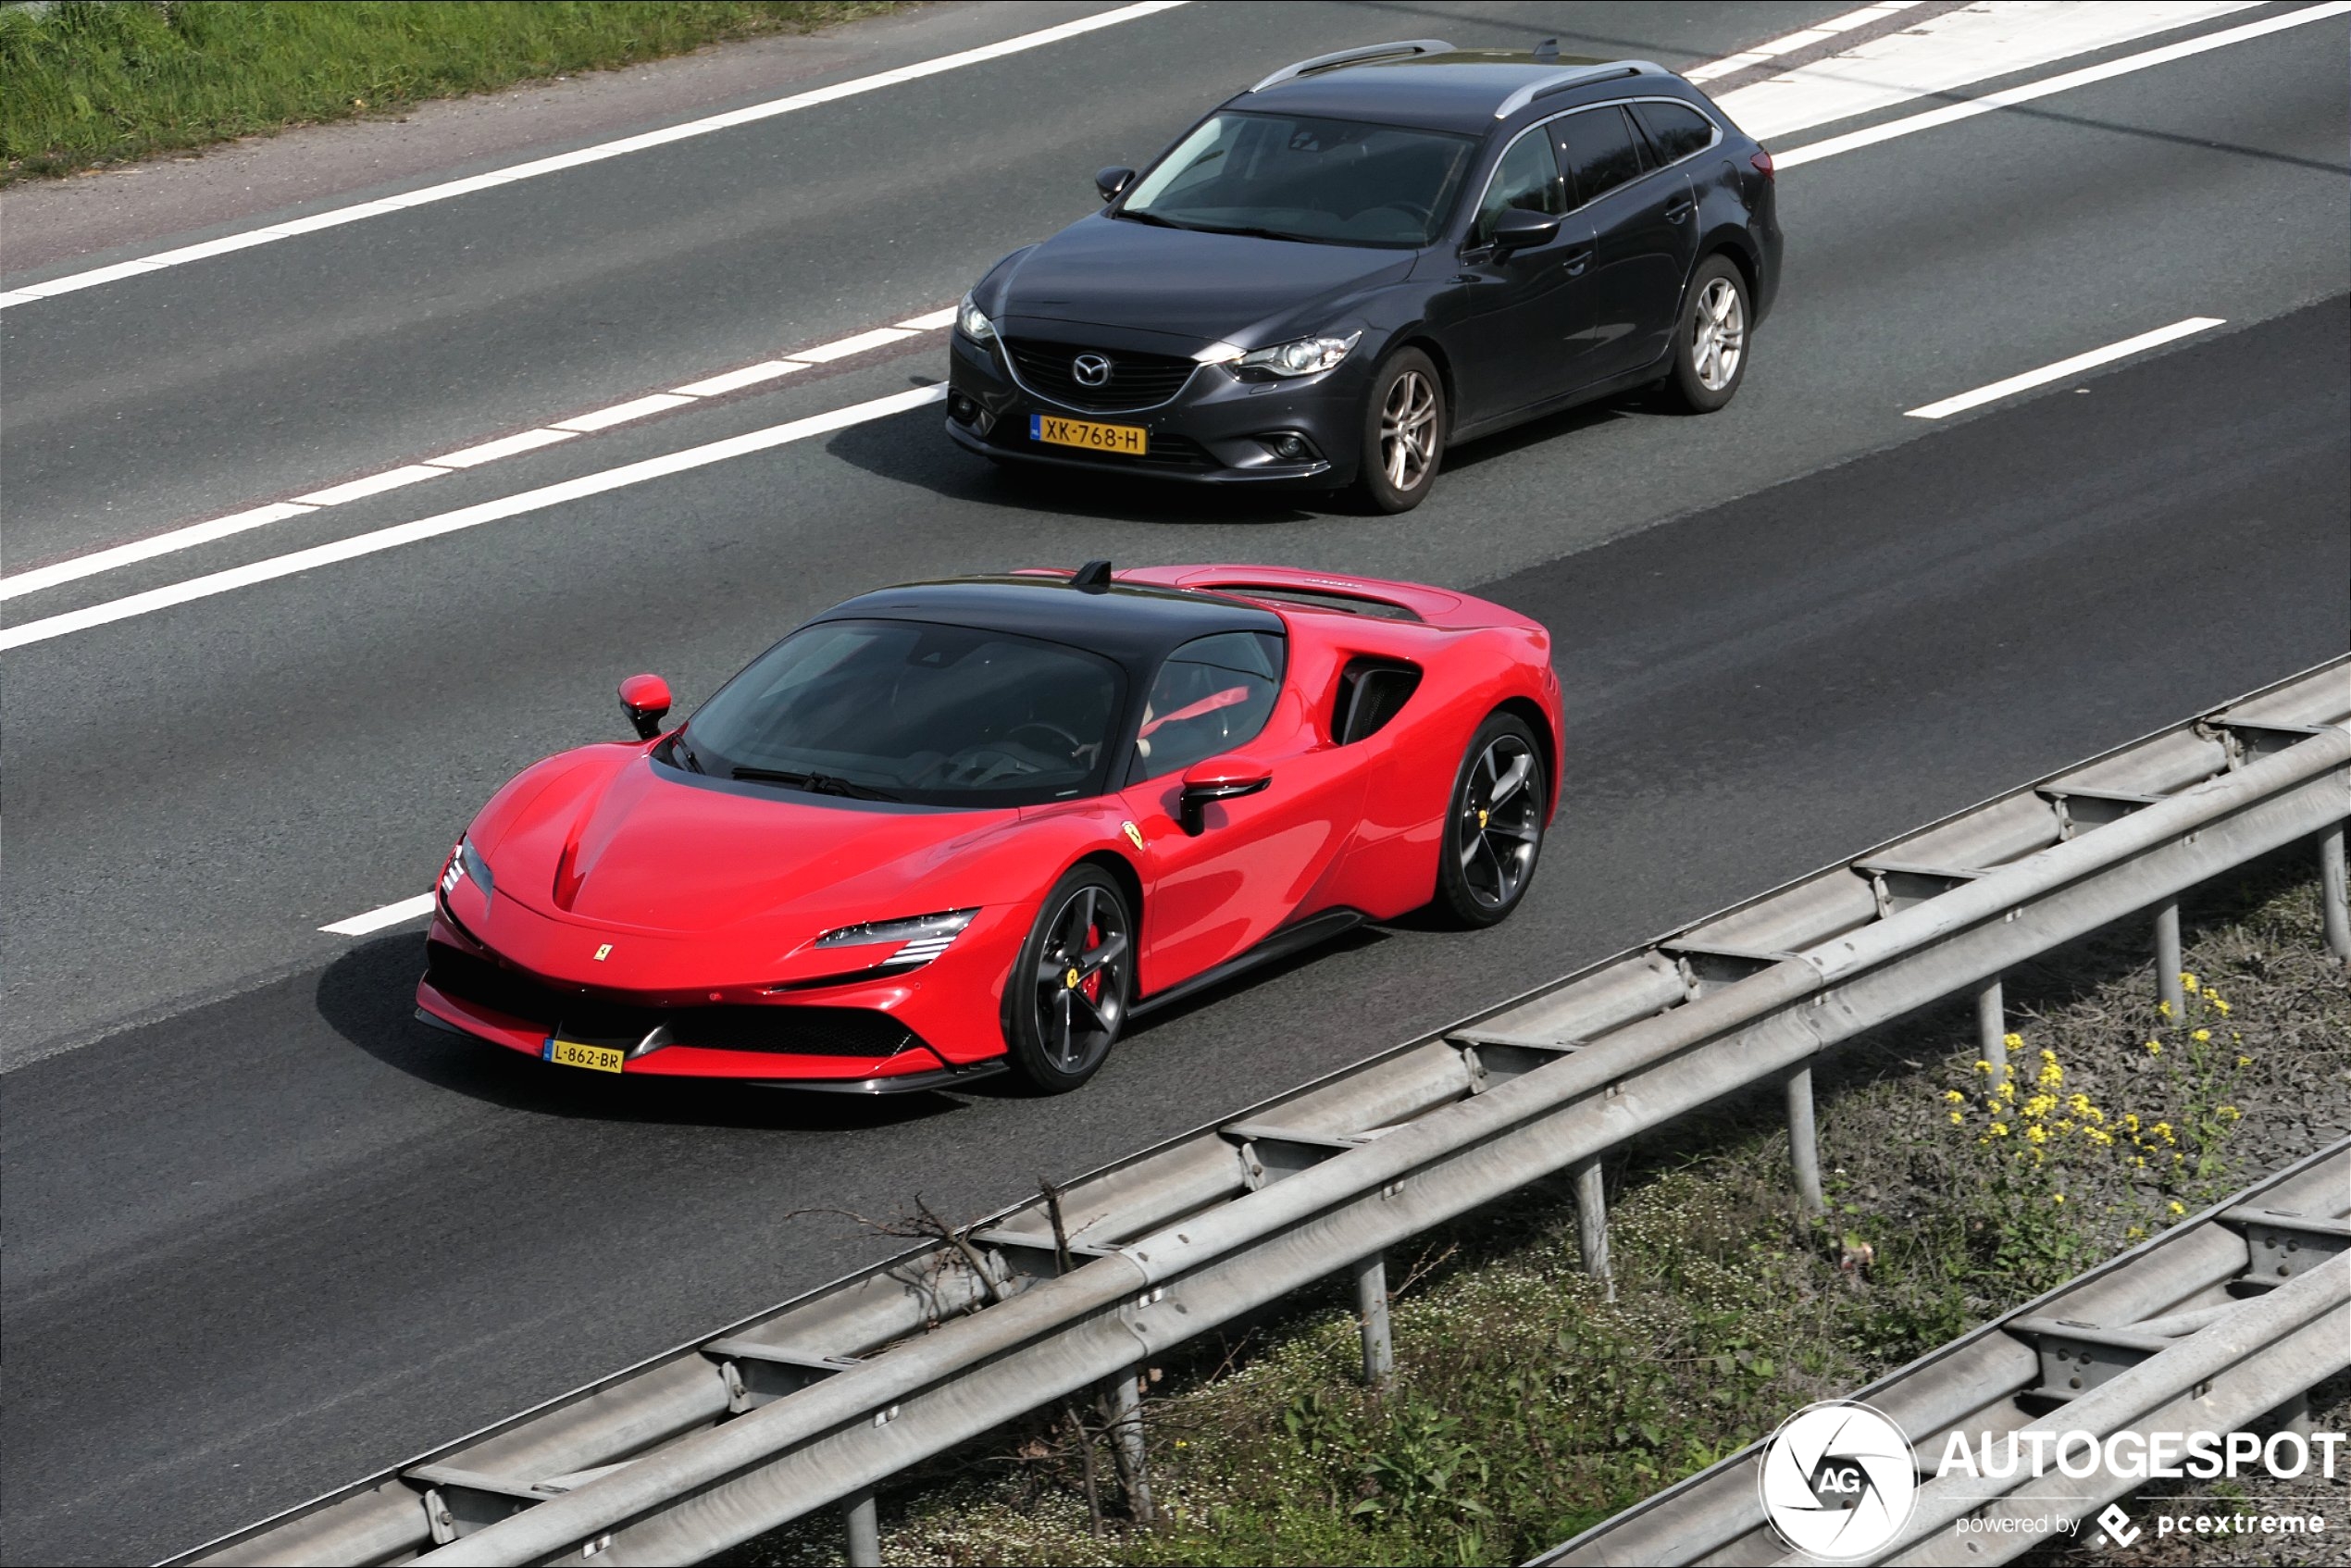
(1403, 433)
(1494, 827)
(1073, 982)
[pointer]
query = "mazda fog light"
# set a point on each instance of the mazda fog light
(973, 323)
(465, 864)
(921, 937)
(1303, 356)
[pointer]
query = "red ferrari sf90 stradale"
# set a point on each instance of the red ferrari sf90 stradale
(957, 827)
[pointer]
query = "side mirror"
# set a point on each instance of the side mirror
(1519, 230)
(645, 698)
(1218, 778)
(1112, 181)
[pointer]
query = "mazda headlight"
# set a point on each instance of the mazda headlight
(465, 862)
(973, 323)
(1302, 356)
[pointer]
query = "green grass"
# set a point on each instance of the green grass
(1527, 1406)
(94, 82)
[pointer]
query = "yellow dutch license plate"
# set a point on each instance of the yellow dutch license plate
(576, 1053)
(1127, 440)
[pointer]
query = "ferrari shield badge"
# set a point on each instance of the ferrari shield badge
(603, 952)
(1134, 834)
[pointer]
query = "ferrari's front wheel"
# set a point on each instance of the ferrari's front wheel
(1494, 826)
(1072, 983)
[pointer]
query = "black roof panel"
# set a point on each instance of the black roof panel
(1135, 625)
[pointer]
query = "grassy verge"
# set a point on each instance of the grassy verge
(1526, 1405)
(94, 82)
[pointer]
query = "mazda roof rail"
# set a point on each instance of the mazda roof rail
(1576, 77)
(1352, 56)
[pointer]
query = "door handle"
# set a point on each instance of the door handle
(1576, 260)
(1678, 211)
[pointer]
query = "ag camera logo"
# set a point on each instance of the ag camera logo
(1837, 1480)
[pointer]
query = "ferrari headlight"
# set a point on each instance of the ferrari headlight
(466, 862)
(973, 323)
(1302, 356)
(930, 933)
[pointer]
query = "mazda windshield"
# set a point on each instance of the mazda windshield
(1332, 182)
(912, 711)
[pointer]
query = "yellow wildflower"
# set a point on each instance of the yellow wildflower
(2187, 982)
(2141, 1162)
(2220, 1007)
(2078, 1103)
(2164, 1008)
(2014, 1042)
(2000, 1129)
(1954, 1097)
(2162, 1130)
(1958, 1119)
(2037, 1133)
(1985, 1067)
(2057, 1196)
(2131, 1120)
(2229, 1112)
(2178, 1208)
(2136, 1233)
(2245, 1061)
(2202, 1037)
(2154, 1047)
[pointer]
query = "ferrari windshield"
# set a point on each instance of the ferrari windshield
(1335, 181)
(913, 711)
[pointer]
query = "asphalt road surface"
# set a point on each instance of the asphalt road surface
(264, 1235)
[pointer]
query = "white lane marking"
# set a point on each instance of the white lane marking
(621, 413)
(145, 549)
(505, 446)
(880, 337)
(2065, 367)
(734, 380)
(1950, 51)
(377, 919)
(194, 534)
(1730, 65)
(374, 484)
(2029, 90)
(464, 517)
(26, 294)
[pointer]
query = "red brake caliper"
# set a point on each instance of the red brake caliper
(1092, 986)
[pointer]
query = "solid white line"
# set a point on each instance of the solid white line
(734, 380)
(374, 484)
(621, 413)
(505, 446)
(1729, 65)
(25, 294)
(146, 549)
(932, 322)
(377, 919)
(2029, 90)
(2065, 367)
(464, 517)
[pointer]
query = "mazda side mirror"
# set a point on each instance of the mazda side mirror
(645, 698)
(1218, 778)
(1519, 230)
(1111, 182)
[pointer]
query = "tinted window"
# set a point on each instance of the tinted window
(913, 711)
(1213, 694)
(1528, 177)
(1330, 180)
(1596, 147)
(1676, 130)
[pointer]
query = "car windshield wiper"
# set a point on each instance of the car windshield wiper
(815, 783)
(1132, 216)
(681, 752)
(1246, 232)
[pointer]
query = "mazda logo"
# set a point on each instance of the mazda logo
(1091, 369)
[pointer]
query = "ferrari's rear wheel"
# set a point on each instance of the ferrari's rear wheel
(1071, 986)
(1494, 830)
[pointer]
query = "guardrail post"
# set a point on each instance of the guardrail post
(862, 1522)
(1370, 1311)
(1121, 1400)
(1803, 1143)
(2167, 987)
(2334, 902)
(1591, 1222)
(1992, 1027)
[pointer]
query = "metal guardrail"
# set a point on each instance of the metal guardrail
(2210, 1327)
(821, 1399)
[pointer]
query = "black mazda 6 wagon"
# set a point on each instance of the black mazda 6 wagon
(1370, 255)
